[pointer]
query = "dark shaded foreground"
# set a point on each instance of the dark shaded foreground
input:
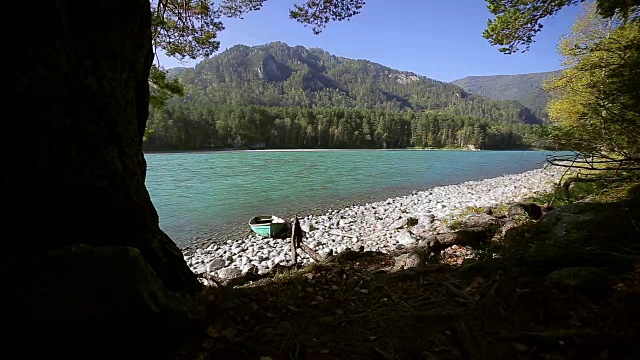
(564, 287)
(86, 270)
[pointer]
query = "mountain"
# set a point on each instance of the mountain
(278, 96)
(278, 75)
(523, 88)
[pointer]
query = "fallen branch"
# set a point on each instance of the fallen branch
(314, 255)
(340, 234)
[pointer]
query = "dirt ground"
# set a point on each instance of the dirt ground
(538, 294)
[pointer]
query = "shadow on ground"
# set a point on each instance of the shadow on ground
(564, 287)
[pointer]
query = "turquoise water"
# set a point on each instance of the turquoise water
(211, 195)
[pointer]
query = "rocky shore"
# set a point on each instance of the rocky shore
(383, 226)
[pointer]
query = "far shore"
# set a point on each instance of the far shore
(186, 151)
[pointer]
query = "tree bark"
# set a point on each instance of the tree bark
(74, 171)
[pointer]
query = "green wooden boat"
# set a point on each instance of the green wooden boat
(267, 226)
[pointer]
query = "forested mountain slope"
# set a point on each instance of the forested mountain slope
(293, 97)
(523, 88)
(276, 74)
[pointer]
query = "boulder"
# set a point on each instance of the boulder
(480, 220)
(229, 273)
(403, 222)
(431, 243)
(406, 238)
(215, 265)
(532, 210)
(426, 220)
(308, 227)
(473, 236)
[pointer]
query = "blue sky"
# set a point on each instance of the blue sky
(441, 39)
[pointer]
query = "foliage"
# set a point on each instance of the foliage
(180, 126)
(161, 88)
(596, 105)
(189, 28)
(518, 21)
(319, 13)
(186, 28)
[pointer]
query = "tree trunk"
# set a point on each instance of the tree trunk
(74, 172)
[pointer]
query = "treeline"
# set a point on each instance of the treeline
(179, 126)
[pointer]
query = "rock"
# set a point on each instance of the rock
(216, 264)
(308, 227)
(488, 210)
(506, 227)
(407, 261)
(229, 273)
(249, 269)
(546, 208)
(530, 209)
(473, 236)
(480, 220)
(200, 269)
(397, 224)
(402, 222)
(237, 250)
(406, 238)
(426, 219)
(430, 242)
(580, 278)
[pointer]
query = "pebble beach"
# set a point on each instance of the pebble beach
(378, 226)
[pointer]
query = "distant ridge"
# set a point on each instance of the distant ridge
(525, 88)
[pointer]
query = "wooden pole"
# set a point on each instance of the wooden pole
(296, 242)
(296, 239)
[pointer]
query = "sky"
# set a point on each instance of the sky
(440, 39)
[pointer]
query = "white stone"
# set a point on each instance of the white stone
(214, 265)
(229, 273)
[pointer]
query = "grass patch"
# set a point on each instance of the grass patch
(603, 187)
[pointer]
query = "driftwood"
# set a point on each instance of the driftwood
(341, 234)
(314, 255)
(567, 183)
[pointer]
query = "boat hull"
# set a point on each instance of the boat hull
(267, 226)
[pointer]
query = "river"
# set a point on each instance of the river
(207, 196)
